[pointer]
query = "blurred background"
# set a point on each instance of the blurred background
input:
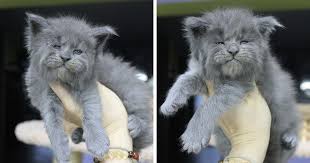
(291, 45)
(133, 20)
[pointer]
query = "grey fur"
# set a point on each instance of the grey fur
(231, 48)
(70, 51)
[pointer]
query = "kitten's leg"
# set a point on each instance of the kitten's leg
(96, 139)
(187, 85)
(200, 127)
(284, 131)
(135, 125)
(53, 118)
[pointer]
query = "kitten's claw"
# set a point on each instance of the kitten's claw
(134, 126)
(77, 136)
(289, 140)
(97, 143)
(168, 109)
(193, 143)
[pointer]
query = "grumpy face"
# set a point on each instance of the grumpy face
(230, 42)
(64, 48)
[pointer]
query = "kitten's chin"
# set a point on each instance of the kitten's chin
(232, 68)
(62, 74)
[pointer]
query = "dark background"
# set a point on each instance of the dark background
(290, 45)
(133, 22)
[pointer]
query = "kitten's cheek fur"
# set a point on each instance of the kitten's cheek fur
(53, 63)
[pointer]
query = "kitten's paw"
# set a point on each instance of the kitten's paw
(168, 109)
(97, 143)
(134, 126)
(77, 136)
(289, 140)
(193, 142)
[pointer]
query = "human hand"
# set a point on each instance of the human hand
(114, 116)
(247, 126)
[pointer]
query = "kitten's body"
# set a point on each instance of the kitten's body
(69, 51)
(230, 48)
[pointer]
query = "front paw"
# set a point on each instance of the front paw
(134, 126)
(97, 143)
(168, 109)
(289, 140)
(194, 141)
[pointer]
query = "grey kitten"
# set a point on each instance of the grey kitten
(70, 51)
(231, 48)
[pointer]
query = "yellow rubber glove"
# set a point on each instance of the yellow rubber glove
(247, 126)
(114, 118)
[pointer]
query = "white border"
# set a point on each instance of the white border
(155, 81)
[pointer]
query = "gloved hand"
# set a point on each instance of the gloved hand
(114, 117)
(247, 126)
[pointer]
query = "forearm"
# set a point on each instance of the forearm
(91, 107)
(52, 115)
(187, 85)
(201, 125)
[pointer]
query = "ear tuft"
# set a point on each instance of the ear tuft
(267, 25)
(103, 31)
(102, 34)
(195, 25)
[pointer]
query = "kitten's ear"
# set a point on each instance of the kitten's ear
(102, 34)
(195, 26)
(267, 25)
(35, 23)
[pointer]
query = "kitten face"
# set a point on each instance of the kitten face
(68, 55)
(230, 42)
(234, 49)
(64, 48)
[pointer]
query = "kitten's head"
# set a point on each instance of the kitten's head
(230, 42)
(64, 48)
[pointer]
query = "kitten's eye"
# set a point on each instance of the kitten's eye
(220, 43)
(244, 42)
(77, 51)
(55, 46)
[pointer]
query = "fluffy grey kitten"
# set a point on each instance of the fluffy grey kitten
(231, 48)
(69, 50)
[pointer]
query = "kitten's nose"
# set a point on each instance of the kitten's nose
(233, 50)
(65, 58)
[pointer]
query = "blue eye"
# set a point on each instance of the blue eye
(244, 42)
(77, 51)
(220, 43)
(55, 46)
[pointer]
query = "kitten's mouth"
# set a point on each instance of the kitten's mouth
(233, 60)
